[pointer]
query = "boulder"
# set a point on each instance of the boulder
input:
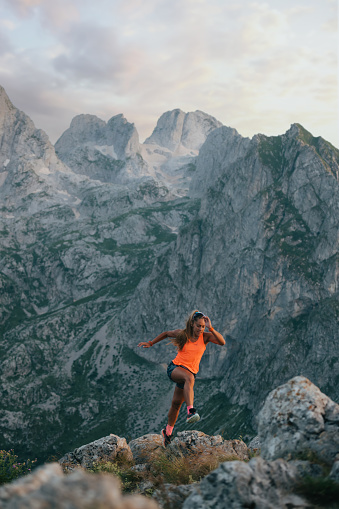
(259, 483)
(171, 496)
(146, 448)
(254, 445)
(197, 442)
(297, 419)
(109, 448)
(48, 488)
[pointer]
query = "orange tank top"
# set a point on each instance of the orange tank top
(190, 355)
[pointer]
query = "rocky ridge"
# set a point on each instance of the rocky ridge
(112, 241)
(277, 477)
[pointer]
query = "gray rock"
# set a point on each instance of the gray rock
(309, 469)
(197, 442)
(176, 128)
(259, 483)
(254, 444)
(334, 474)
(108, 448)
(48, 488)
(146, 448)
(124, 137)
(297, 418)
(173, 497)
(117, 134)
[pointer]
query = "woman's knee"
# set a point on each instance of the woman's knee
(190, 379)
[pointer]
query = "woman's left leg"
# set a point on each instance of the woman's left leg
(177, 401)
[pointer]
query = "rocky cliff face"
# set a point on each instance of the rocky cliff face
(106, 242)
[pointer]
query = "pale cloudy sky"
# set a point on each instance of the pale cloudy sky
(257, 66)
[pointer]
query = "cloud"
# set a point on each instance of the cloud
(59, 16)
(5, 48)
(91, 53)
(23, 8)
(244, 64)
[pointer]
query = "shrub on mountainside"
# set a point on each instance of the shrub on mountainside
(11, 469)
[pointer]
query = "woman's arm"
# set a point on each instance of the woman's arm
(163, 335)
(213, 336)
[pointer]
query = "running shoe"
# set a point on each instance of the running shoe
(167, 438)
(193, 416)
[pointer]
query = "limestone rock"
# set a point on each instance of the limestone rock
(48, 488)
(334, 474)
(109, 448)
(297, 418)
(223, 144)
(146, 448)
(32, 178)
(197, 442)
(118, 134)
(123, 136)
(173, 497)
(176, 128)
(259, 483)
(254, 444)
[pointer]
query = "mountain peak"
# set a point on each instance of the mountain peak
(89, 131)
(83, 120)
(5, 103)
(176, 128)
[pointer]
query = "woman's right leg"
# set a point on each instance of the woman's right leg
(181, 375)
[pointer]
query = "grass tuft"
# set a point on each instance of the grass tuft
(129, 479)
(178, 469)
(166, 467)
(321, 491)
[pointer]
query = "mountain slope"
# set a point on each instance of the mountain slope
(109, 242)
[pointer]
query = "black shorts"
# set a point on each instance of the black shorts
(170, 369)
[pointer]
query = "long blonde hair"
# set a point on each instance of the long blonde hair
(187, 333)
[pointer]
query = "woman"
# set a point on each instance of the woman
(191, 343)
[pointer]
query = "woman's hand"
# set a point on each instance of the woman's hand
(145, 345)
(208, 322)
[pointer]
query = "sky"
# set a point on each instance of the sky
(256, 66)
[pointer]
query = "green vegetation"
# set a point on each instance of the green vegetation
(11, 468)
(165, 467)
(120, 469)
(271, 153)
(315, 142)
(191, 167)
(320, 491)
(186, 469)
(313, 457)
(292, 235)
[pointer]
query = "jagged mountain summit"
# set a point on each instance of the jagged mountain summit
(106, 241)
(176, 129)
(111, 152)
